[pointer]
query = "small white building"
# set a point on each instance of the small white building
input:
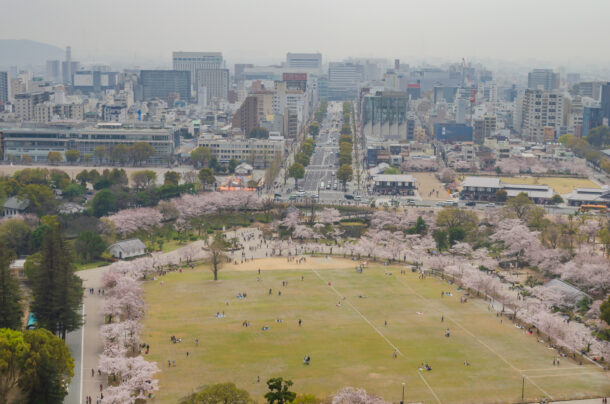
(15, 206)
(128, 248)
(244, 169)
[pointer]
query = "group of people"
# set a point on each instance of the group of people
(99, 291)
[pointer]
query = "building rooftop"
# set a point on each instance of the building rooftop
(568, 290)
(482, 182)
(130, 245)
(394, 177)
(16, 203)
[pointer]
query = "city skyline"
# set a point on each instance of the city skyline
(263, 32)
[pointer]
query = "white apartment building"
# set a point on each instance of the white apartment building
(47, 112)
(194, 61)
(256, 152)
(540, 109)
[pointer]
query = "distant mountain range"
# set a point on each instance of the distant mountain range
(23, 52)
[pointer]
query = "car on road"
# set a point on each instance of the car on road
(471, 203)
(449, 202)
(440, 203)
(300, 193)
(315, 195)
(491, 205)
(277, 195)
(410, 202)
(328, 186)
(357, 198)
(348, 196)
(292, 197)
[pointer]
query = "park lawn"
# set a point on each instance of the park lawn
(560, 185)
(94, 264)
(349, 345)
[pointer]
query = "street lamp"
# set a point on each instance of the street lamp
(403, 394)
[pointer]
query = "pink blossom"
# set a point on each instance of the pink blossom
(328, 216)
(291, 220)
(350, 395)
(118, 395)
(128, 221)
(302, 232)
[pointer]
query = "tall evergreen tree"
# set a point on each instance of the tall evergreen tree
(11, 310)
(48, 368)
(57, 290)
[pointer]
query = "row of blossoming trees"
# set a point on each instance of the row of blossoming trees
(396, 236)
(183, 212)
(522, 235)
(131, 377)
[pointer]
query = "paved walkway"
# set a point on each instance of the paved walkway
(93, 344)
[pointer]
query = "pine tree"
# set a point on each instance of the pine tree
(11, 310)
(57, 290)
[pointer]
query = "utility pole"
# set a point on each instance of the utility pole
(522, 388)
(403, 394)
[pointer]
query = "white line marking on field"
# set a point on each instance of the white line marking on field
(475, 337)
(559, 368)
(568, 374)
(430, 388)
(377, 330)
(360, 314)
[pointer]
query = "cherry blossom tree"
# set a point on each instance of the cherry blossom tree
(518, 240)
(139, 375)
(120, 394)
(130, 220)
(589, 272)
(461, 248)
(303, 232)
(291, 220)
(447, 175)
(328, 216)
(417, 164)
(350, 395)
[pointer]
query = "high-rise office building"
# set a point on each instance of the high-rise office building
(590, 89)
(309, 61)
(194, 61)
(3, 87)
(161, 83)
(343, 80)
(591, 118)
(92, 81)
(605, 101)
(384, 115)
(53, 71)
(215, 81)
(544, 78)
(239, 71)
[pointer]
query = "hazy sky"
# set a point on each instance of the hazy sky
(557, 31)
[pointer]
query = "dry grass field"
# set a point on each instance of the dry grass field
(429, 187)
(344, 329)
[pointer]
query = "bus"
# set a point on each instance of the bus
(594, 208)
